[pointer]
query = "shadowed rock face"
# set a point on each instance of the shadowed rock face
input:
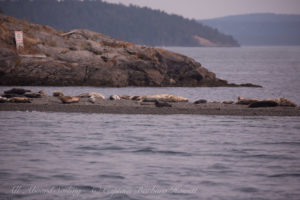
(82, 57)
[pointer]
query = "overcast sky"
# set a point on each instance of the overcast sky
(203, 9)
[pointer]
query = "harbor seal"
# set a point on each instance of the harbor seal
(58, 93)
(17, 91)
(44, 94)
(162, 104)
(33, 95)
(200, 101)
(125, 97)
(160, 97)
(92, 99)
(115, 97)
(3, 99)
(94, 94)
(69, 99)
(228, 102)
(263, 103)
(246, 101)
(19, 100)
(284, 102)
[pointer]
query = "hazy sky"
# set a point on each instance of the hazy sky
(202, 9)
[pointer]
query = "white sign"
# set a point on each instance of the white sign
(19, 39)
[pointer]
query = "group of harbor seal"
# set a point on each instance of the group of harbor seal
(19, 95)
(15, 100)
(160, 97)
(255, 103)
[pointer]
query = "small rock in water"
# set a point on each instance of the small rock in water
(200, 101)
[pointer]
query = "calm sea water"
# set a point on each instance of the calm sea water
(99, 156)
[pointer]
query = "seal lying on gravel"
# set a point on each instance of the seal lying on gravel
(19, 100)
(160, 97)
(3, 99)
(246, 101)
(273, 102)
(58, 93)
(200, 101)
(69, 99)
(283, 102)
(33, 95)
(18, 91)
(92, 99)
(162, 104)
(94, 94)
(43, 93)
(115, 97)
(263, 103)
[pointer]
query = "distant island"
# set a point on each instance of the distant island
(130, 23)
(260, 29)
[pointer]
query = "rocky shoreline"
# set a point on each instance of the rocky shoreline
(85, 58)
(161, 104)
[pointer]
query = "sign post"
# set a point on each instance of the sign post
(19, 39)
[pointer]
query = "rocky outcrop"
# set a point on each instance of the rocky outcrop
(86, 58)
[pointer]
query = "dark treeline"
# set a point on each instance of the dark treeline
(134, 24)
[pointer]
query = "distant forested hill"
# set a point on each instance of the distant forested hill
(260, 29)
(134, 24)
